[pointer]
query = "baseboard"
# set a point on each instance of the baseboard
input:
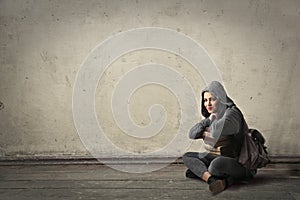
(67, 159)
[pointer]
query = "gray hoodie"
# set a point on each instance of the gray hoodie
(228, 129)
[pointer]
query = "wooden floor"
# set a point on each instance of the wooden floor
(95, 181)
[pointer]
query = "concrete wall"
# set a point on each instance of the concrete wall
(254, 43)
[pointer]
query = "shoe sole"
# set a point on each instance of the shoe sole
(217, 186)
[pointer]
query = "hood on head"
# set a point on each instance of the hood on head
(217, 90)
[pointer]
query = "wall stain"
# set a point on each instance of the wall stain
(1, 105)
(68, 81)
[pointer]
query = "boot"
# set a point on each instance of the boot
(216, 185)
(190, 174)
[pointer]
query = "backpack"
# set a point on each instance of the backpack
(253, 152)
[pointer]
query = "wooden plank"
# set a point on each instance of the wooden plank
(134, 194)
(76, 169)
(103, 168)
(189, 184)
(103, 174)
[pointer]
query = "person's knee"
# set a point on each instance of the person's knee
(217, 167)
(225, 167)
(186, 157)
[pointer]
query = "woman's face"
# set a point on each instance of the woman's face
(210, 102)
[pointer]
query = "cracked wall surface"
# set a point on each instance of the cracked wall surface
(254, 44)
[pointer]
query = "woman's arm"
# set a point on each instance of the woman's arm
(229, 124)
(197, 130)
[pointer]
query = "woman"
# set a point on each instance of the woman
(223, 132)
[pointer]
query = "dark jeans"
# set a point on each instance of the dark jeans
(219, 166)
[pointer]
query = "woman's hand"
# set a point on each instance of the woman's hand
(213, 116)
(206, 134)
